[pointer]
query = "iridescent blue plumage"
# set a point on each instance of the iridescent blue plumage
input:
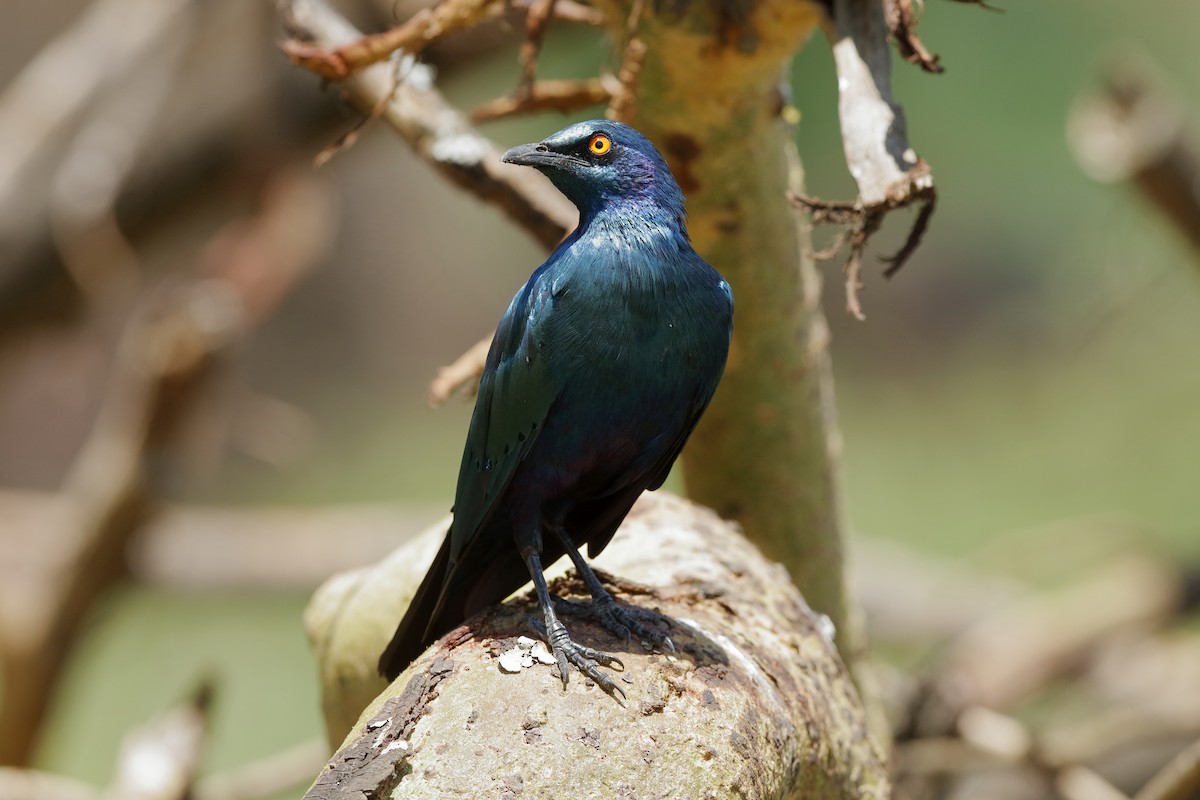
(598, 372)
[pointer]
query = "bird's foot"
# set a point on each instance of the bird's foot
(588, 661)
(624, 622)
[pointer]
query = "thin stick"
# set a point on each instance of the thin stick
(462, 374)
(423, 29)
(564, 96)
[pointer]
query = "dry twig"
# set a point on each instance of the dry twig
(863, 222)
(567, 11)
(551, 95)
(623, 105)
(426, 27)
(438, 133)
(902, 24)
(421, 31)
(463, 374)
(531, 47)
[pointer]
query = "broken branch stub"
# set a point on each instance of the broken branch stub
(886, 169)
(874, 133)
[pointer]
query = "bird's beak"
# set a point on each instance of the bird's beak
(532, 155)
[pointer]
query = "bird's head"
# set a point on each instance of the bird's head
(598, 163)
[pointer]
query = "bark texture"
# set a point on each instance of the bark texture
(755, 703)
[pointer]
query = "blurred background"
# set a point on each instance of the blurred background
(1027, 388)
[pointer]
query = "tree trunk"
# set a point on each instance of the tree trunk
(766, 451)
(755, 702)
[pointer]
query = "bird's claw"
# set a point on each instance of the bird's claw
(586, 660)
(624, 622)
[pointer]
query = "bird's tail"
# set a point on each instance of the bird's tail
(410, 639)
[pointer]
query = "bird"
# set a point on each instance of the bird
(596, 376)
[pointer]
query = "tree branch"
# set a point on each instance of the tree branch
(437, 132)
(765, 452)
(422, 30)
(886, 169)
(755, 702)
(550, 95)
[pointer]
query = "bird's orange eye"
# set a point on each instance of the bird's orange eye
(600, 144)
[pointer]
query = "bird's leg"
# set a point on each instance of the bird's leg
(565, 650)
(622, 621)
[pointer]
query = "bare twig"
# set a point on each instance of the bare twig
(531, 47)
(350, 137)
(531, 95)
(421, 31)
(928, 202)
(864, 221)
(853, 274)
(568, 11)
(835, 247)
(437, 132)
(827, 211)
(552, 95)
(623, 106)
(463, 374)
(337, 62)
(624, 102)
(902, 24)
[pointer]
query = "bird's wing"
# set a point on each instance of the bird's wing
(515, 397)
(605, 524)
